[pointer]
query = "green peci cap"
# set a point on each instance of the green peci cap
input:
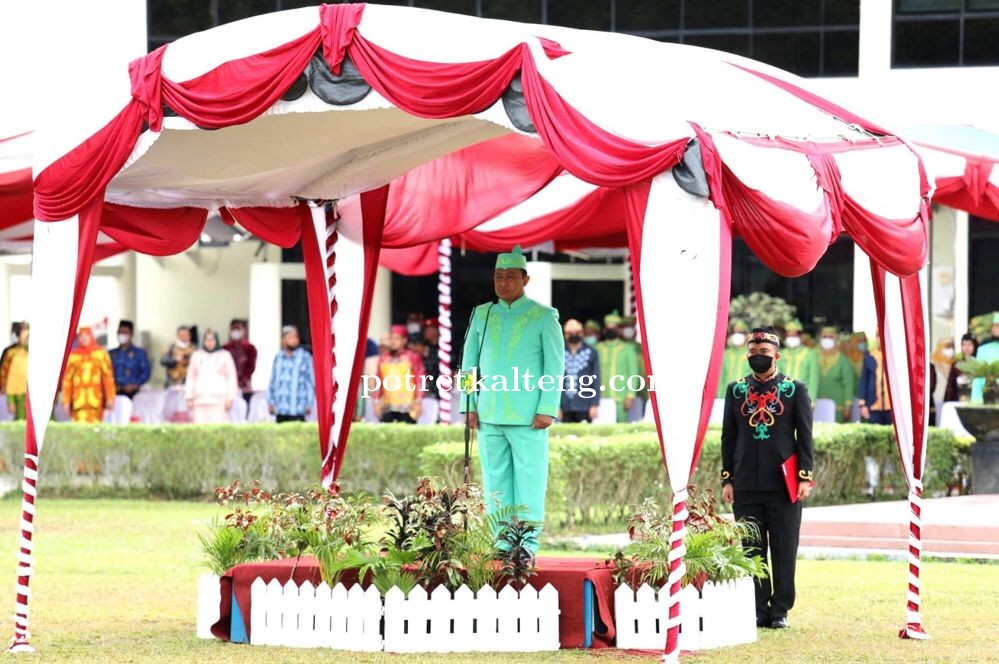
(739, 326)
(613, 318)
(794, 326)
(514, 259)
(828, 329)
(591, 325)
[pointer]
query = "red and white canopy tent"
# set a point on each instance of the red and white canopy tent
(267, 118)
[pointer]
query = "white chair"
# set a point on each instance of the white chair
(948, 418)
(175, 405)
(58, 412)
(258, 411)
(122, 411)
(717, 412)
(650, 415)
(637, 410)
(313, 415)
(148, 405)
(606, 412)
(825, 411)
(369, 412)
(429, 411)
(5, 415)
(238, 410)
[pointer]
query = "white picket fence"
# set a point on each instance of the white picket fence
(722, 614)
(310, 616)
(208, 604)
(307, 616)
(486, 621)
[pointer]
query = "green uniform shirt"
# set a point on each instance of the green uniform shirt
(521, 363)
(836, 381)
(734, 366)
(618, 358)
(802, 364)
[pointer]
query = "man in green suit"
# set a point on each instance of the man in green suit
(619, 361)
(516, 348)
(799, 361)
(835, 374)
(734, 363)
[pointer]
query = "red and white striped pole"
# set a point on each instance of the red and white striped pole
(632, 298)
(913, 619)
(677, 550)
(444, 328)
(25, 556)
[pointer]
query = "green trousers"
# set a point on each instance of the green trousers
(20, 403)
(515, 469)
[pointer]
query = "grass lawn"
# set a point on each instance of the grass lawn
(116, 583)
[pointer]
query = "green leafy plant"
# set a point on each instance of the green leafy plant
(222, 547)
(989, 371)
(515, 555)
(760, 309)
(715, 551)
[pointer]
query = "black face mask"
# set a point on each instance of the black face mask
(760, 363)
(574, 338)
(610, 334)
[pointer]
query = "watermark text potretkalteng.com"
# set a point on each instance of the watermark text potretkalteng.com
(526, 382)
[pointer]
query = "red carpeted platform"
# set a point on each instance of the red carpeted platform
(567, 575)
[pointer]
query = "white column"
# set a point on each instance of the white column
(265, 318)
(875, 38)
(539, 288)
(6, 314)
(961, 291)
(865, 316)
(381, 305)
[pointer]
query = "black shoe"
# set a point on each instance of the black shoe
(763, 622)
(780, 623)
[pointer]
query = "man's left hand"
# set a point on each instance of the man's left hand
(542, 421)
(804, 488)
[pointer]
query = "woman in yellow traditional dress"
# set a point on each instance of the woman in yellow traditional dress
(88, 384)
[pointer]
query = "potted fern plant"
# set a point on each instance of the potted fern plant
(717, 598)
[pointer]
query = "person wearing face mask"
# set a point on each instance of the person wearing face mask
(399, 397)
(582, 371)
(88, 382)
(629, 334)
(875, 402)
(14, 373)
(799, 360)
(244, 355)
(734, 364)
(177, 357)
(856, 351)
(591, 333)
(292, 389)
(835, 374)
(768, 418)
(211, 384)
(618, 363)
(130, 363)
(958, 385)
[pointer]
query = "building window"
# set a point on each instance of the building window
(945, 33)
(805, 37)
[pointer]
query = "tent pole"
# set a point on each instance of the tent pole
(444, 329)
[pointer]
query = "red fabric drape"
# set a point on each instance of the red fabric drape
(584, 149)
(416, 261)
(970, 191)
(457, 192)
(157, 232)
(789, 241)
(278, 225)
(15, 198)
(373, 211)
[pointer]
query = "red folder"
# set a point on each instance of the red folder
(790, 468)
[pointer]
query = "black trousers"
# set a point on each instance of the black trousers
(281, 419)
(394, 416)
(576, 416)
(779, 521)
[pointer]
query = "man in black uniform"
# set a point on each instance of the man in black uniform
(768, 418)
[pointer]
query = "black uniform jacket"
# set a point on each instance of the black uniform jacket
(765, 423)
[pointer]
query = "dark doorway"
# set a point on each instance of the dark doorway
(983, 266)
(295, 309)
(584, 300)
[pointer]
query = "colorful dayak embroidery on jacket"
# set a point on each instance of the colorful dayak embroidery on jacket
(763, 408)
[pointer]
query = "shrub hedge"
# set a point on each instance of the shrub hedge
(597, 471)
